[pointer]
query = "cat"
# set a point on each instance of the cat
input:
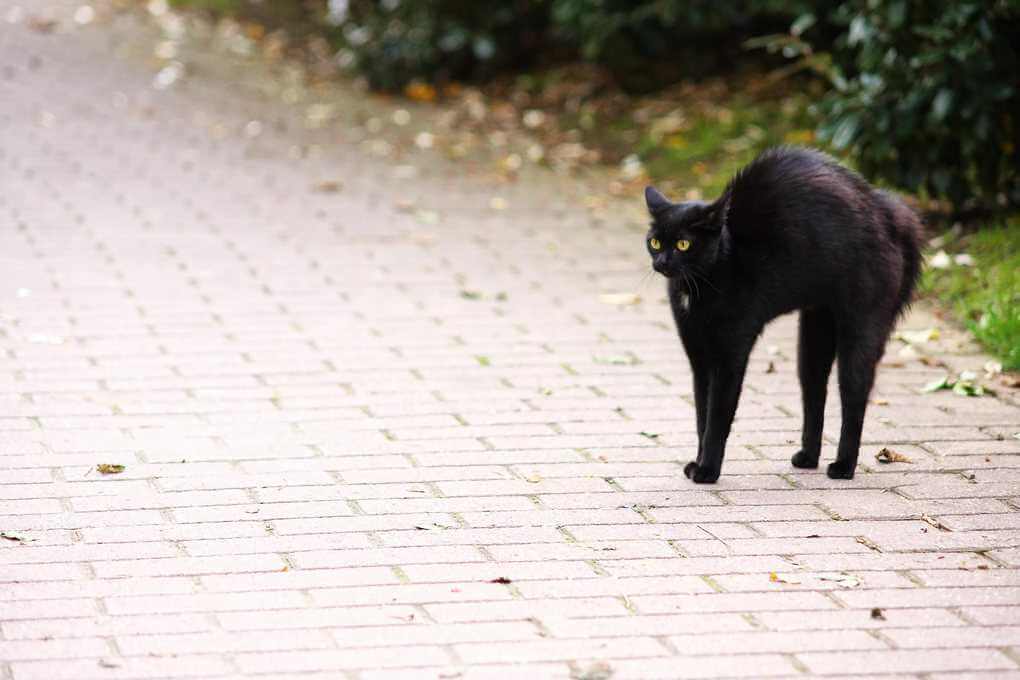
(793, 230)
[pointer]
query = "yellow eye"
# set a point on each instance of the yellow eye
(654, 243)
(683, 245)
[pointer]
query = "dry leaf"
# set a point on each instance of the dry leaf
(328, 187)
(16, 539)
(620, 298)
(877, 613)
(614, 360)
(41, 25)
(597, 671)
(919, 337)
(842, 580)
(776, 578)
(771, 368)
(109, 468)
(501, 579)
(887, 455)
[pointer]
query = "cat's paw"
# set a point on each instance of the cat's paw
(840, 470)
(700, 475)
(802, 460)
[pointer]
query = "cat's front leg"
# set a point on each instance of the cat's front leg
(723, 393)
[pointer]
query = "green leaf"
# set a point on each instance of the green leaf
(942, 383)
(941, 104)
(802, 23)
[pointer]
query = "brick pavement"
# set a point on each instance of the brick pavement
(337, 465)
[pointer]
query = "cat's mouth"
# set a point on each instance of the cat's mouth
(667, 271)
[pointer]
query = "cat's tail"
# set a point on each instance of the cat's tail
(908, 233)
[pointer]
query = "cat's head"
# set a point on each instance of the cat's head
(684, 237)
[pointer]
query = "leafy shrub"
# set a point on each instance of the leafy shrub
(394, 42)
(926, 96)
(649, 43)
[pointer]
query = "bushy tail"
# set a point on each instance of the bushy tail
(908, 232)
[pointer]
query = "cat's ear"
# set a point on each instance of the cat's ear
(656, 202)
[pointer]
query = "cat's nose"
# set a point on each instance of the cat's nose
(659, 265)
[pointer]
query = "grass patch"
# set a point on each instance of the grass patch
(717, 140)
(986, 296)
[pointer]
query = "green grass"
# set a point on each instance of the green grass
(985, 297)
(720, 139)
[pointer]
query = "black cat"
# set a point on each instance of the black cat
(792, 231)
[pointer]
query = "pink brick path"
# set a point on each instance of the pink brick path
(331, 454)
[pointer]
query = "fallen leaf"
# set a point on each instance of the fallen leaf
(106, 663)
(41, 25)
(928, 519)
(16, 539)
(599, 670)
(880, 402)
(771, 368)
(427, 216)
(942, 383)
(286, 567)
(620, 298)
(471, 295)
(877, 613)
(614, 360)
(919, 337)
(887, 455)
(842, 580)
(328, 187)
(501, 579)
(420, 92)
(109, 468)
(649, 435)
(940, 260)
(967, 388)
(483, 361)
(776, 578)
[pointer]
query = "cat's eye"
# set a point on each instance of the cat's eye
(654, 243)
(683, 244)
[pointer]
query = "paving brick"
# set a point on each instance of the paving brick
(905, 661)
(855, 619)
(515, 610)
(550, 650)
(105, 626)
(338, 660)
(137, 667)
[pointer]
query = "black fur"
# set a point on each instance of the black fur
(793, 231)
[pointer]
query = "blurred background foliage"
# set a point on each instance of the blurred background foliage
(922, 95)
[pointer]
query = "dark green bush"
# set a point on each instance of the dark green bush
(926, 96)
(650, 43)
(394, 42)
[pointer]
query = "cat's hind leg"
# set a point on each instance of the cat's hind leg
(816, 349)
(860, 346)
